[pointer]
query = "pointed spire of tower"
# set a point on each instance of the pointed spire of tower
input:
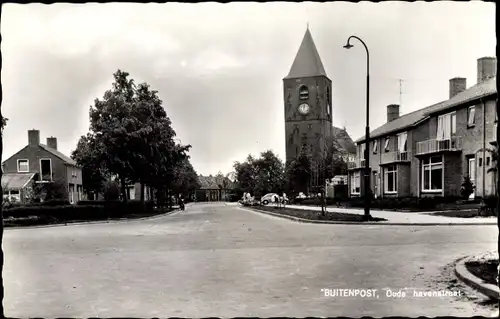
(307, 61)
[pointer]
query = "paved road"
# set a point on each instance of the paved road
(216, 260)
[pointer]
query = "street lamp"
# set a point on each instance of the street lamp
(367, 133)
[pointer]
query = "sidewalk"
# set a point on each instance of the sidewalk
(408, 218)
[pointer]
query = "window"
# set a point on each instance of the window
(71, 193)
(471, 118)
(447, 126)
(362, 148)
(309, 126)
(14, 196)
(480, 162)
(386, 145)
(23, 166)
(402, 142)
(432, 174)
(375, 147)
(487, 161)
(303, 93)
(46, 169)
(355, 183)
(391, 179)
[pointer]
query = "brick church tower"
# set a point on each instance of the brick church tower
(308, 103)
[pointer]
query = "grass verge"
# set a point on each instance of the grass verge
(315, 215)
(485, 269)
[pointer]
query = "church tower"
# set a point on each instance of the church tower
(308, 103)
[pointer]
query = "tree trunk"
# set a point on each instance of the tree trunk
(124, 190)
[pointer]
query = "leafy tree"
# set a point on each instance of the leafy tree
(111, 121)
(186, 178)
(270, 173)
(246, 175)
(89, 154)
(299, 172)
(132, 127)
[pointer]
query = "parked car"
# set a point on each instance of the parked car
(268, 198)
(301, 196)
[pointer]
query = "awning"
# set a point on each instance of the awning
(12, 181)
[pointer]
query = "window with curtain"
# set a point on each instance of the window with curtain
(432, 174)
(471, 116)
(402, 141)
(446, 126)
(391, 179)
(375, 147)
(386, 145)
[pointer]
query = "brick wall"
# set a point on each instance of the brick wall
(452, 174)
(317, 125)
(404, 180)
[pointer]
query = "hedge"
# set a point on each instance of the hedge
(83, 210)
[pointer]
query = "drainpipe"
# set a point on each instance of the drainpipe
(484, 147)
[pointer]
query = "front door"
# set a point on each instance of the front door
(375, 184)
(472, 175)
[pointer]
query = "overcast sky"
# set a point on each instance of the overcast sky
(219, 67)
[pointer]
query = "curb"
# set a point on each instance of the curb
(468, 278)
(381, 223)
(102, 222)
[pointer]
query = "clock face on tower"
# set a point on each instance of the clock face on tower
(304, 109)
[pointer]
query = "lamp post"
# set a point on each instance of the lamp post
(367, 130)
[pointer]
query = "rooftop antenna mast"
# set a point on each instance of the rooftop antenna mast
(400, 94)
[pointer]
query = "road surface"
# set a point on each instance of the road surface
(223, 261)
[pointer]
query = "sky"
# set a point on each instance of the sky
(219, 67)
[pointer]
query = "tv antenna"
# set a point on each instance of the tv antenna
(400, 94)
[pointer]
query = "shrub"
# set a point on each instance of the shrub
(467, 188)
(490, 201)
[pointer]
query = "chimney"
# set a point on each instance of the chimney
(392, 112)
(33, 137)
(486, 68)
(457, 85)
(52, 142)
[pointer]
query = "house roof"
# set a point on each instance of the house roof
(16, 180)
(212, 182)
(475, 92)
(343, 140)
(55, 152)
(307, 61)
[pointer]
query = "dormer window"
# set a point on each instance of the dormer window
(303, 93)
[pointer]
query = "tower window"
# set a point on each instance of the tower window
(303, 92)
(328, 95)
